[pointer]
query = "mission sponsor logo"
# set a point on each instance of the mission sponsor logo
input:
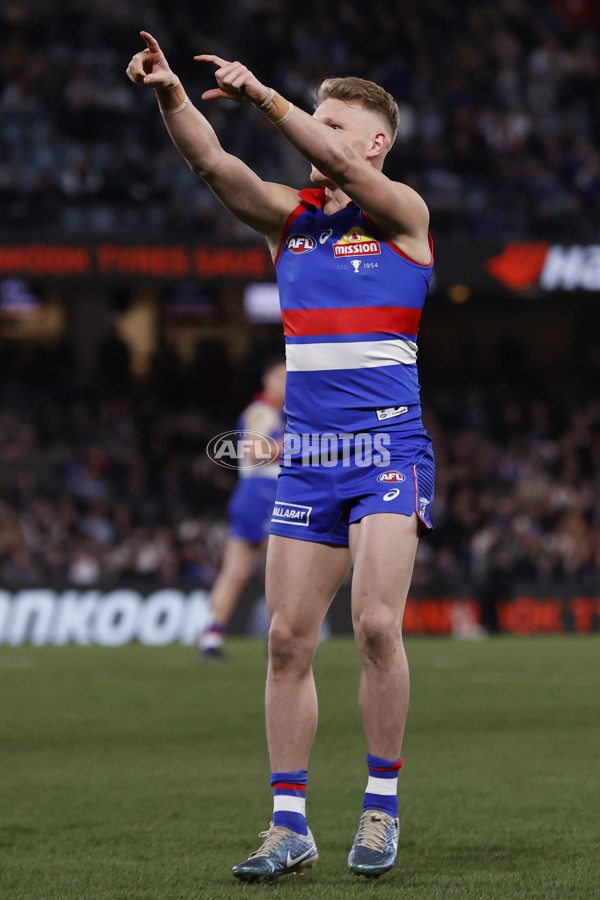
(391, 477)
(291, 513)
(300, 243)
(356, 243)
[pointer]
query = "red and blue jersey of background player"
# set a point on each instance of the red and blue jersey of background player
(351, 304)
(251, 503)
(262, 416)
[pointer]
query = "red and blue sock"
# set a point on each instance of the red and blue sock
(382, 787)
(289, 800)
(211, 639)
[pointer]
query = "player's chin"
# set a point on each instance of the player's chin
(318, 178)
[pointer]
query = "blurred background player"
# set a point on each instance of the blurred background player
(249, 509)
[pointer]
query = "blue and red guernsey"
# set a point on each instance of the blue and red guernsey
(351, 304)
(263, 415)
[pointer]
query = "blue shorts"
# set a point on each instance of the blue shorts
(250, 508)
(319, 502)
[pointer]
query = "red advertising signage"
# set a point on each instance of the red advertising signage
(137, 261)
(516, 267)
(551, 267)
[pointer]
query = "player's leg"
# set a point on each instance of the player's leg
(239, 559)
(383, 548)
(302, 579)
(249, 510)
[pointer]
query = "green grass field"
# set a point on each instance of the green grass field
(139, 773)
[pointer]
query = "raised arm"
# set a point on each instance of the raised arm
(329, 140)
(262, 205)
(351, 160)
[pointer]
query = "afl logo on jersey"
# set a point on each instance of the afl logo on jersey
(391, 477)
(300, 243)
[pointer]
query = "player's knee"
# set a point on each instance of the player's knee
(288, 648)
(377, 632)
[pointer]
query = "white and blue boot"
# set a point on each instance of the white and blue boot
(283, 852)
(376, 844)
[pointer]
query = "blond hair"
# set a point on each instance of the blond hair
(365, 93)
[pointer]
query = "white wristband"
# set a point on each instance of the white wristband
(285, 118)
(268, 99)
(167, 113)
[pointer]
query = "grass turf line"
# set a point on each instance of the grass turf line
(136, 773)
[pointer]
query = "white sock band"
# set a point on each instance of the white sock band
(384, 786)
(286, 803)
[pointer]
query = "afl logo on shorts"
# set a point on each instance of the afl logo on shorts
(391, 477)
(300, 243)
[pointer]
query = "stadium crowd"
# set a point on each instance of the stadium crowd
(500, 132)
(114, 485)
(500, 108)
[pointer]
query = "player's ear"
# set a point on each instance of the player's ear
(378, 145)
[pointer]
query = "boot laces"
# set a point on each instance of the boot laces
(372, 831)
(272, 837)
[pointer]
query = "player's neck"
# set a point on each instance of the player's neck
(335, 199)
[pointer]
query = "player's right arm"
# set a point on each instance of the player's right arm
(262, 205)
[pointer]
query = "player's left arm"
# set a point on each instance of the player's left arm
(394, 207)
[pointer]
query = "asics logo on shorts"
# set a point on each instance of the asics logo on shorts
(391, 495)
